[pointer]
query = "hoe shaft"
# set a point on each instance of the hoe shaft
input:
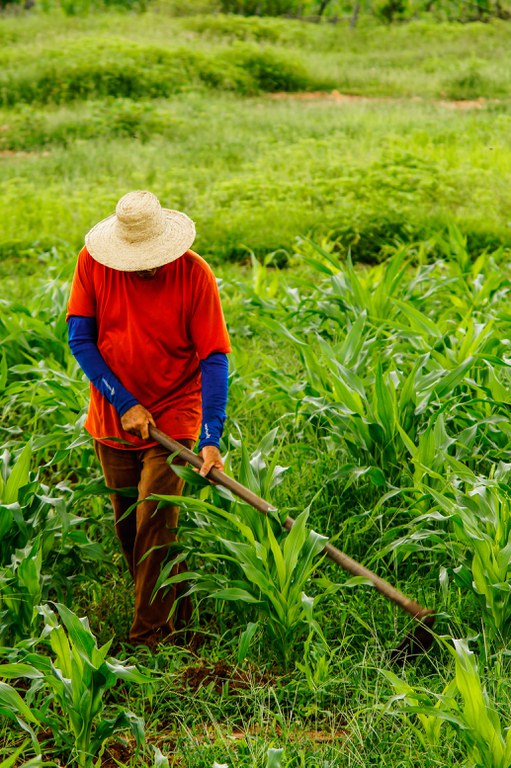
(347, 563)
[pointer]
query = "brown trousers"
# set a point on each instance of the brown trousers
(144, 529)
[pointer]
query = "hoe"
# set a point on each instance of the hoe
(418, 641)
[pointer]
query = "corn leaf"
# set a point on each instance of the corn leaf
(18, 477)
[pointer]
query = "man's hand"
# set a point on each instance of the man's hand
(136, 421)
(212, 459)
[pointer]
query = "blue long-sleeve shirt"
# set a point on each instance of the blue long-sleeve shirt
(83, 337)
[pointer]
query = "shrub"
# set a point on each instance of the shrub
(262, 7)
(130, 71)
(472, 83)
(271, 71)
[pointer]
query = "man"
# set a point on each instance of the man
(146, 326)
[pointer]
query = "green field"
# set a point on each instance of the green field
(362, 246)
(184, 106)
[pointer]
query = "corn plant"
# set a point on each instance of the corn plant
(42, 546)
(468, 518)
(20, 591)
(251, 561)
(254, 567)
(44, 393)
(383, 350)
(71, 686)
(480, 519)
(13, 759)
(480, 732)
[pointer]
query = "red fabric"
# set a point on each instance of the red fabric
(152, 333)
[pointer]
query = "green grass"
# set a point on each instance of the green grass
(256, 173)
(128, 101)
(204, 707)
(420, 58)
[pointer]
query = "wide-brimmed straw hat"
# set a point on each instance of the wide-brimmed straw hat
(140, 234)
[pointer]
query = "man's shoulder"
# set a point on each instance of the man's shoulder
(197, 264)
(85, 260)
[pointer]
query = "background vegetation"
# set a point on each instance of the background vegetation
(100, 104)
(362, 246)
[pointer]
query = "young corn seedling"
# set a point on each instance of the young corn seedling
(20, 591)
(42, 544)
(468, 518)
(479, 730)
(251, 565)
(251, 561)
(74, 680)
(480, 518)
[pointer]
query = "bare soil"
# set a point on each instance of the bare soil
(349, 98)
(219, 674)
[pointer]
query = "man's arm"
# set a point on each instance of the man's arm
(82, 335)
(214, 372)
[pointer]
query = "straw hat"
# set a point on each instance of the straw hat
(140, 235)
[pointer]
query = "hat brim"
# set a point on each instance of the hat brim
(107, 246)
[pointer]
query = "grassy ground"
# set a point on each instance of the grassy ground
(256, 173)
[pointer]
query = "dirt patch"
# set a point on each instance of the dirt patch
(468, 104)
(117, 753)
(219, 674)
(348, 98)
(321, 96)
(12, 153)
(22, 153)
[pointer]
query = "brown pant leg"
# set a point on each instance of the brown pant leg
(154, 534)
(121, 469)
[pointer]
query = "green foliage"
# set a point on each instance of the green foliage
(366, 173)
(392, 10)
(265, 8)
(477, 511)
(43, 546)
(252, 561)
(390, 382)
(486, 744)
(74, 681)
(404, 379)
(379, 352)
(127, 70)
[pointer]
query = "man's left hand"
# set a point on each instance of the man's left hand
(212, 459)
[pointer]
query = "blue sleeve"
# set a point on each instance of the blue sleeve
(214, 371)
(83, 335)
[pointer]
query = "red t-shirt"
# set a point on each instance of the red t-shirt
(152, 333)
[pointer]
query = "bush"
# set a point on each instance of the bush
(270, 71)
(125, 70)
(389, 10)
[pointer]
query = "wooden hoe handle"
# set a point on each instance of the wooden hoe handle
(347, 563)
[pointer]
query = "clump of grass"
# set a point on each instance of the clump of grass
(473, 82)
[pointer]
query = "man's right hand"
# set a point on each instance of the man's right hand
(136, 421)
